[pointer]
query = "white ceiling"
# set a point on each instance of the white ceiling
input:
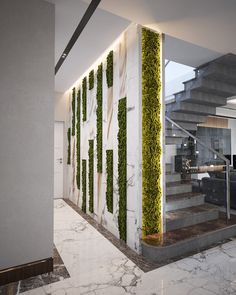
(197, 31)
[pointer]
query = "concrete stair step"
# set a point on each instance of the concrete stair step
(199, 97)
(178, 187)
(173, 177)
(211, 86)
(175, 133)
(180, 201)
(191, 108)
(186, 125)
(168, 167)
(218, 71)
(169, 140)
(190, 216)
(186, 117)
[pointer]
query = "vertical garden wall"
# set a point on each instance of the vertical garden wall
(151, 132)
(112, 143)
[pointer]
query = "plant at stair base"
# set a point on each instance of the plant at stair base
(151, 133)
(84, 185)
(122, 168)
(91, 174)
(69, 147)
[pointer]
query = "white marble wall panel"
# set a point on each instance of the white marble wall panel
(126, 83)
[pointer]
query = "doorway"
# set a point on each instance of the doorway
(58, 160)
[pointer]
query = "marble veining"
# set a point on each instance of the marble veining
(97, 267)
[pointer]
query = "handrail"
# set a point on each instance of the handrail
(216, 153)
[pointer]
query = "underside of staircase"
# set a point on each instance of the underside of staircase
(186, 210)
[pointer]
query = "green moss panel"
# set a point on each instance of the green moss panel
(84, 185)
(122, 168)
(78, 138)
(109, 190)
(73, 112)
(91, 80)
(151, 133)
(91, 175)
(99, 119)
(68, 148)
(109, 69)
(84, 98)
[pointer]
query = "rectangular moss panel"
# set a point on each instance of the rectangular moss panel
(73, 112)
(151, 133)
(122, 168)
(84, 185)
(109, 170)
(99, 119)
(84, 98)
(68, 148)
(91, 80)
(109, 70)
(78, 138)
(91, 175)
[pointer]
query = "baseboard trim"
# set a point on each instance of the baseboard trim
(25, 271)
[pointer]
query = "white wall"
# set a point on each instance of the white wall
(26, 131)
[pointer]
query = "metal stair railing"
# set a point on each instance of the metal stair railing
(222, 157)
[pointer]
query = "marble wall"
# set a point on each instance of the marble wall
(126, 83)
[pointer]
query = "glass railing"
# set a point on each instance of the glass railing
(196, 174)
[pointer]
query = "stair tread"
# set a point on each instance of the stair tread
(178, 197)
(186, 212)
(178, 183)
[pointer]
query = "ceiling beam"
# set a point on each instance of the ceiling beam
(86, 17)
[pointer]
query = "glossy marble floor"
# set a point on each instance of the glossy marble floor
(97, 267)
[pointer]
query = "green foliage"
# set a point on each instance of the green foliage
(122, 167)
(78, 138)
(73, 112)
(109, 70)
(91, 80)
(68, 149)
(151, 132)
(84, 185)
(99, 119)
(109, 192)
(91, 174)
(84, 98)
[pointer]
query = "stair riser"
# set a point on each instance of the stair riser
(175, 133)
(179, 189)
(190, 108)
(185, 203)
(168, 167)
(186, 117)
(173, 140)
(185, 125)
(172, 178)
(212, 86)
(192, 219)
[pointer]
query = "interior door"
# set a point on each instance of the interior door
(58, 159)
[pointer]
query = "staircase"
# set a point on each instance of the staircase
(214, 82)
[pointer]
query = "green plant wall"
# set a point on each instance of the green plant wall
(84, 185)
(122, 168)
(109, 170)
(91, 175)
(78, 138)
(68, 148)
(84, 98)
(151, 133)
(91, 79)
(109, 69)
(99, 119)
(73, 112)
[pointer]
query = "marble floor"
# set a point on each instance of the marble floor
(97, 267)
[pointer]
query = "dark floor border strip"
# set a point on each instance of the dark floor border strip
(144, 264)
(25, 271)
